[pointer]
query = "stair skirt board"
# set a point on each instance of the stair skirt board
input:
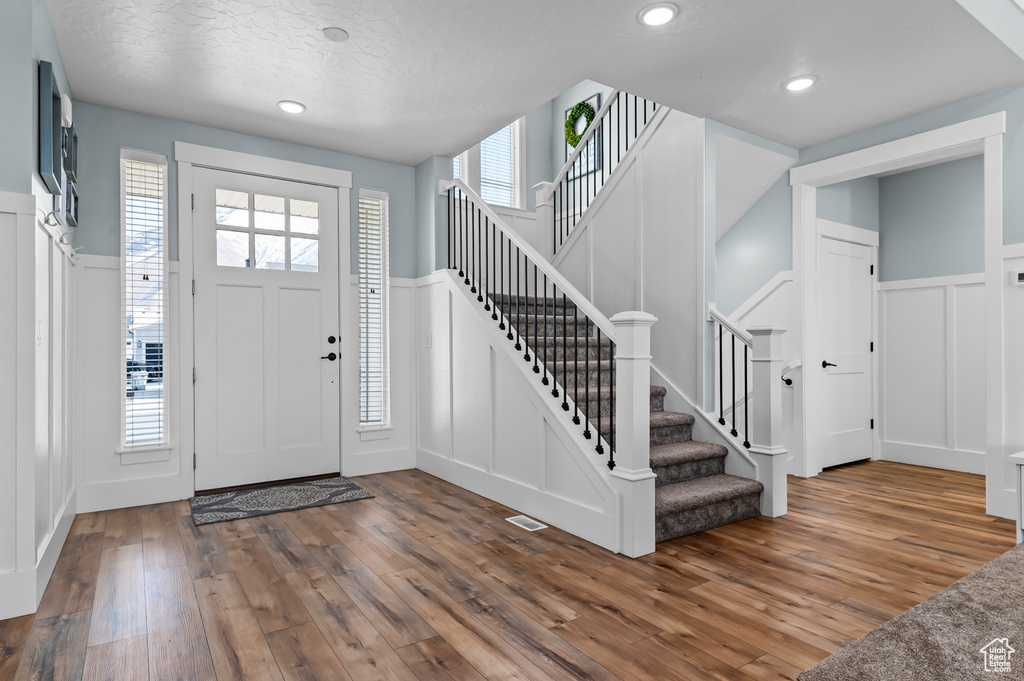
(693, 493)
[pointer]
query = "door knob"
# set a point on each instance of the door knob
(825, 365)
(330, 356)
(331, 340)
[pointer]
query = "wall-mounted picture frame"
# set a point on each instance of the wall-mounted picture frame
(51, 158)
(71, 154)
(71, 204)
(590, 158)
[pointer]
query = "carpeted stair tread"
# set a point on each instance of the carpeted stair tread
(659, 390)
(666, 419)
(675, 453)
(692, 494)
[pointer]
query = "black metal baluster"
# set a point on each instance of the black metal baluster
(459, 238)
(465, 238)
(544, 380)
(586, 373)
(576, 374)
(501, 280)
(611, 413)
(474, 250)
(487, 270)
(645, 111)
(618, 127)
(554, 341)
(526, 308)
(494, 271)
(746, 393)
(536, 303)
(565, 365)
(519, 322)
(734, 402)
(636, 121)
(599, 447)
(510, 335)
(451, 226)
(721, 376)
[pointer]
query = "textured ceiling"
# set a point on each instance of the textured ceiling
(743, 173)
(425, 77)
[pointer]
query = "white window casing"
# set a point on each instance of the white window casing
(374, 338)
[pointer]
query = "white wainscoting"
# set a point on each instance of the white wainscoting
(932, 372)
(1003, 470)
(108, 480)
(37, 484)
(525, 224)
(485, 425)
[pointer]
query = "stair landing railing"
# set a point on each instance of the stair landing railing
(603, 145)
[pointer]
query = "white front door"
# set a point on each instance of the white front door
(267, 394)
(844, 332)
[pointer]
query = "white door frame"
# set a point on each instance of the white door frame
(189, 156)
(979, 136)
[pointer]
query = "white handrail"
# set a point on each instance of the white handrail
(715, 316)
(585, 140)
(554, 276)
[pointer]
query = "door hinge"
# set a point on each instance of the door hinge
(193, 202)
(872, 267)
(193, 375)
(193, 460)
(872, 346)
(872, 424)
(193, 287)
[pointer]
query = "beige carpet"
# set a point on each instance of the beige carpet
(942, 638)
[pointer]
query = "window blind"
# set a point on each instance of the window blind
(499, 171)
(144, 270)
(374, 378)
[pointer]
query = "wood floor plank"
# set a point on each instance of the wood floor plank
(770, 668)
(361, 648)
(377, 556)
(304, 655)
(288, 552)
(13, 636)
(55, 649)
(119, 608)
(123, 660)
(234, 530)
(161, 542)
(73, 583)
(614, 654)
(306, 526)
(237, 645)
(396, 621)
(123, 527)
(88, 523)
(178, 648)
(435, 660)
(204, 551)
(272, 600)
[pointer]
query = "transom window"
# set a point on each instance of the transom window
(267, 232)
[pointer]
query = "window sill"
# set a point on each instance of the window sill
(145, 454)
(370, 433)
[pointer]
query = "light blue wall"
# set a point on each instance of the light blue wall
(104, 131)
(851, 203)
(932, 221)
(432, 215)
(758, 247)
(539, 161)
(16, 80)
(44, 47)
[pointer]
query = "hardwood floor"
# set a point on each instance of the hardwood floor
(427, 581)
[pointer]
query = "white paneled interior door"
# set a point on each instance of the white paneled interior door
(267, 348)
(844, 331)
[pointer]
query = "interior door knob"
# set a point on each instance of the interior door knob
(825, 365)
(330, 356)
(332, 340)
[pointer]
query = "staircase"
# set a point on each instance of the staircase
(693, 493)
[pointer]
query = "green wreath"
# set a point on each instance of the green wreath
(581, 109)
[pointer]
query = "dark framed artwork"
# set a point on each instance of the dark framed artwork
(590, 158)
(51, 155)
(71, 154)
(71, 204)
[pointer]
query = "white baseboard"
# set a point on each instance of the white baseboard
(21, 591)
(103, 496)
(934, 457)
(594, 526)
(379, 462)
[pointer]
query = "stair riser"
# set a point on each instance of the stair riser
(669, 434)
(707, 517)
(690, 470)
(530, 307)
(554, 328)
(604, 407)
(657, 403)
(557, 351)
(572, 374)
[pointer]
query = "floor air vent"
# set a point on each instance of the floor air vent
(526, 523)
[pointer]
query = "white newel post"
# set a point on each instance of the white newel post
(632, 476)
(766, 448)
(545, 207)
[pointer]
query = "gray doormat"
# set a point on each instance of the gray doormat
(970, 630)
(216, 508)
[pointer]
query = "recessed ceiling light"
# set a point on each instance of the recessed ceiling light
(291, 107)
(800, 83)
(338, 35)
(659, 15)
